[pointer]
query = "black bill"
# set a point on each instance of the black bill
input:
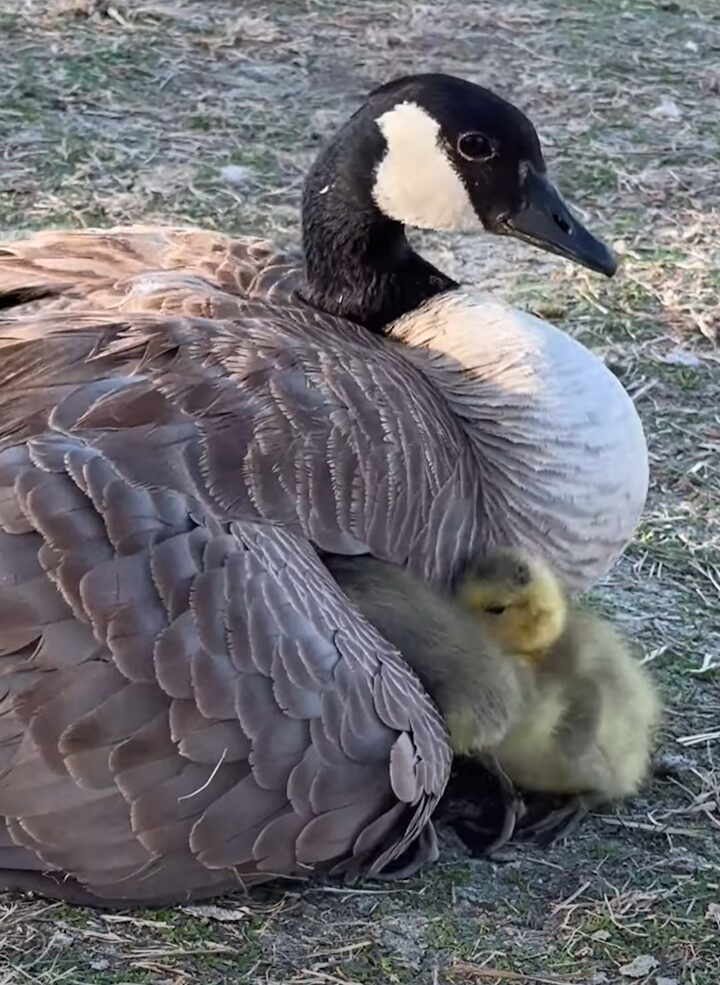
(547, 222)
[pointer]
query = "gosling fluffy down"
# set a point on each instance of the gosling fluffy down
(591, 710)
(478, 692)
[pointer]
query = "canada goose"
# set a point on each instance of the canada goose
(187, 699)
(591, 710)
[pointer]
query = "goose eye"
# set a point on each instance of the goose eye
(475, 147)
(496, 610)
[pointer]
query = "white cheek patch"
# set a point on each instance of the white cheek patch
(415, 183)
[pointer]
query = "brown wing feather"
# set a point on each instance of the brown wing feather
(140, 796)
(281, 415)
(142, 268)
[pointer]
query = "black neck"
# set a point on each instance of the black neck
(358, 263)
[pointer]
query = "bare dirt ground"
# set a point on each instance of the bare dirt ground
(124, 111)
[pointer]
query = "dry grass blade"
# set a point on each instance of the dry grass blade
(464, 970)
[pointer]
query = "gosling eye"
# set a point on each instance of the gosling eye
(496, 610)
(475, 147)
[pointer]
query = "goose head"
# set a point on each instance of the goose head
(432, 152)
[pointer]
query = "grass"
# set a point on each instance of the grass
(117, 111)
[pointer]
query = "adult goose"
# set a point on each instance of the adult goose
(188, 422)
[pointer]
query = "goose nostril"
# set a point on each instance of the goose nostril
(563, 224)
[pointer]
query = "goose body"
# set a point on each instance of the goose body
(187, 700)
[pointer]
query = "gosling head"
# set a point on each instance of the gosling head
(437, 152)
(519, 599)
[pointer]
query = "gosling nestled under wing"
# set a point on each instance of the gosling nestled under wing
(591, 709)
(477, 692)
